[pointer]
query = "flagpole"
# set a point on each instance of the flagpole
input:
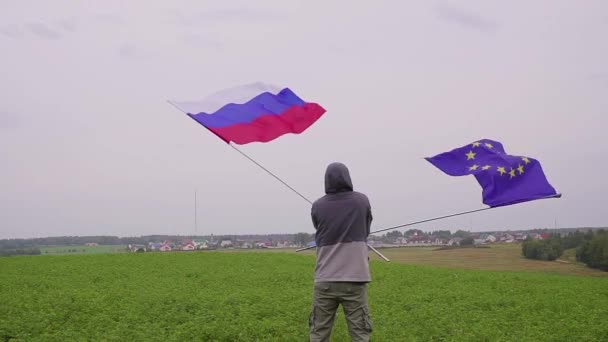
(270, 173)
(295, 191)
(195, 215)
(432, 219)
(451, 215)
(278, 179)
(411, 224)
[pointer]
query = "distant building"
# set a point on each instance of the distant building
(202, 244)
(136, 248)
(401, 240)
(283, 244)
(455, 241)
(188, 247)
(154, 246)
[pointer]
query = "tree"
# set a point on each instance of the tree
(573, 240)
(301, 239)
(549, 249)
(461, 234)
(412, 232)
(394, 234)
(467, 241)
(442, 234)
(594, 252)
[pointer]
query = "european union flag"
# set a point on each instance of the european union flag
(505, 179)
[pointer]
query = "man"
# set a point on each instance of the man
(342, 219)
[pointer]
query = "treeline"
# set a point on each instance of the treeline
(23, 244)
(442, 234)
(548, 249)
(591, 247)
(594, 252)
(20, 251)
(9, 244)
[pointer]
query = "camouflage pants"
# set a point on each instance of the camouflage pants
(327, 297)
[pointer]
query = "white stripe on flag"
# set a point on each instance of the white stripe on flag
(239, 94)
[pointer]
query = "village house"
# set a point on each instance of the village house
(188, 247)
(136, 248)
(202, 244)
(455, 241)
(401, 240)
(154, 246)
(283, 244)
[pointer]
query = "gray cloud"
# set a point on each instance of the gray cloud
(466, 19)
(129, 50)
(241, 15)
(47, 31)
(11, 32)
(42, 30)
(90, 146)
(68, 24)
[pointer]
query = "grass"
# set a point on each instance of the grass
(216, 296)
(498, 257)
(569, 255)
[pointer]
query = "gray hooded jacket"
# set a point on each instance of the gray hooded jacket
(342, 219)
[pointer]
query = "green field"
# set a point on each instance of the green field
(498, 257)
(214, 296)
(60, 250)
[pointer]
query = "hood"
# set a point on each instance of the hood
(337, 179)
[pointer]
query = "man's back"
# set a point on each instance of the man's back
(342, 219)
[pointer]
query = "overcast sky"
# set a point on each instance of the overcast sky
(89, 145)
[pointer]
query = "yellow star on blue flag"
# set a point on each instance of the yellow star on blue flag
(525, 180)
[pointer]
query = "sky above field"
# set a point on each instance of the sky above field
(89, 145)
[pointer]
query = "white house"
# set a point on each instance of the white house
(226, 243)
(165, 248)
(401, 240)
(455, 241)
(490, 238)
(188, 247)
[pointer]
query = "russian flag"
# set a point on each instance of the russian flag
(256, 112)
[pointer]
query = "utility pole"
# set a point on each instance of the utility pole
(195, 214)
